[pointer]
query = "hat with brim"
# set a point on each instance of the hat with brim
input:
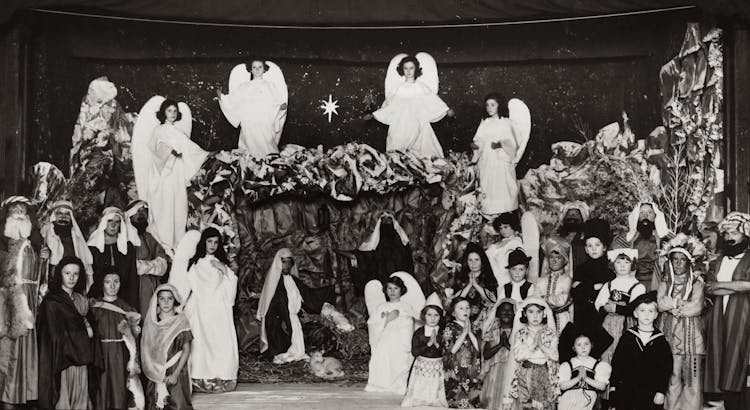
(517, 257)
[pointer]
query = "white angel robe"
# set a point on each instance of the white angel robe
(168, 179)
(496, 167)
(255, 107)
(390, 346)
(497, 253)
(214, 353)
(408, 113)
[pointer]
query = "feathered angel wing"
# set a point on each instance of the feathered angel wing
(185, 124)
(530, 232)
(374, 296)
(521, 117)
(185, 250)
(392, 77)
(275, 76)
(429, 71)
(237, 76)
(142, 132)
(414, 295)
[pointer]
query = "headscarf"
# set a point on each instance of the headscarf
(55, 244)
(580, 206)
(374, 239)
(736, 221)
(15, 199)
(660, 222)
(269, 289)
(487, 325)
(131, 210)
(555, 243)
(17, 231)
(630, 253)
(157, 338)
(97, 237)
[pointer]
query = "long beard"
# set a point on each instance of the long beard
(18, 227)
(735, 248)
(140, 226)
(570, 226)
(62, 230)
(645, 228)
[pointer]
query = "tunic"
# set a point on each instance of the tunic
(179, 394)
(112, 260)
(150, 269)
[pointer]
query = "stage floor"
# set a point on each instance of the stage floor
(298, 396)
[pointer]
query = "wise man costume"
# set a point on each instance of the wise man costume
(66, 239)
(150, 257)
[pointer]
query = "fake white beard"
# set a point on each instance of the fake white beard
(17, 228)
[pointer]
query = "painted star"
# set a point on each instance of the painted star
(329, 107)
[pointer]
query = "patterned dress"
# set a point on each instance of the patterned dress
(462, 382)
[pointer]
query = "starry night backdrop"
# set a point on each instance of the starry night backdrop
(569, 73)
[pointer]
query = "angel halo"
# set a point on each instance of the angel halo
(411, 104)
(257, 103)
(164, 161)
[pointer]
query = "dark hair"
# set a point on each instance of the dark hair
(497, 311)
(502, 103)
(176, 302)
(200, 249)
(161, 115)
(436, 308)
(55, 283)
(507, 218)
(409, 59)
(525, 320)
(456, 301)
(249, 65)
(486, 277)
(396, 281)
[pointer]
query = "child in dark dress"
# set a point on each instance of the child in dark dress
(425, 387)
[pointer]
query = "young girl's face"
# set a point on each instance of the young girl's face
(474, 262)
(170, 113)
(257, 69)
(165, 301)
(534, 315)
(111, 285)
(461, 311)
(623, 266)
(582, 346)
(594, 248)
(393, 291)
(505, 314)
(212, 244)
(409, 69)
(680, 263)
(431, 317)
(506, 231)
(70, 276)
(518, 273)
(556, 261)
(491, 106)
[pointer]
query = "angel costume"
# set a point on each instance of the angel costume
(254, 104)
(281, 334)
(497, 166)
(409, 108)
(162, 177)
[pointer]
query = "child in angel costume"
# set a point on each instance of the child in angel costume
(425, 387)
(257, 103)
(208, 286)
(411, 104)
(165, 351)
(498, 145)
(582, 376)
(391, 327)
(531, 381)
(164, 161)
(496, 353)
(461, 361)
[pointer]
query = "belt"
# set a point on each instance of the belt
(111, 340)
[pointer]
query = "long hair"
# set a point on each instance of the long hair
(200, 249)
(55, 282)
(502, 103)
(409, 59)
(161, 115)
(249, 66)
(486, 277)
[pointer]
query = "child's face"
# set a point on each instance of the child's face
(393, 291)
(645, 313)
(474, 262)
(111, 285)
(582, 346)
(680, 263)
(212, 244)
(556, 261)
(623, 266)
(594, 248)
(461, 311)
(165, 300)
(70, 276)
(518, 273)
(505, 314)
(431, 317)
(534, 315)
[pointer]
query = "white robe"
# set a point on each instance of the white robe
(408, 114)
(390, 347)
(497, 253)
(168, 178)
(254, 106)
(214, 353)
(495, 166)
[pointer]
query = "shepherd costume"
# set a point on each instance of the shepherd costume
(150, 258)
(575, 234)
(66, 240)
(385, 251)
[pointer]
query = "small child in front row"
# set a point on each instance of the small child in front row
(582, 376)
(496, 353)
(426, 386)
(642, 363)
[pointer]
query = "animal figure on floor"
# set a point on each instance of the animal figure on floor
(325, 367)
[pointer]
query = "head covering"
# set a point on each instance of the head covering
(555, 243)
(53, 240)
(580, 206)
(648, 297)
(517, 257)
(131, 210)
(269, 289)
(736, 221)
(600, 339)
(157, 338)
(660, 222)
(374, 239)
(597, 228)
(630, 253)
(487, 325)
(15, 199)
(694, 249)
(97, 237)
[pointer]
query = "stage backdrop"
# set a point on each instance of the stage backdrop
(572, 75)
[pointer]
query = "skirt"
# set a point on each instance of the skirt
(426, 386)
(535, 391)
(577, 399)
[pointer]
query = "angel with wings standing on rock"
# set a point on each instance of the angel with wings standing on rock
(164, 161)
(257, 103)
(411, 104)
